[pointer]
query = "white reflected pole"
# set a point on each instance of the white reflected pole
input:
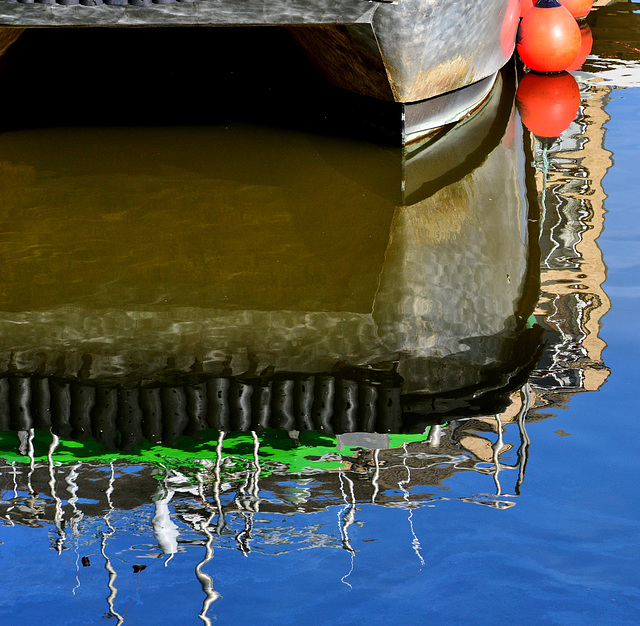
(376, 476)
(77, 516)
(58, 515)
(113, 575)
(164, 528)
(254, 488)
(346, 517)
(525, 441)
(415, 543)
(32, 467)
(221, 523)
(497, 448)
(211, 595)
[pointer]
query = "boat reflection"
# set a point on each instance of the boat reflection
(250, 326)
(242, 279)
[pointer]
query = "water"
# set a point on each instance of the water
(473, 302)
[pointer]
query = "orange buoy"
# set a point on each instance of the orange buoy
(585, 48)
(577, 8)
(548, 37)
(525, 5)
(548, 103)
(509, 27)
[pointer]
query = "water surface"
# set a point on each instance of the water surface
(283, 375)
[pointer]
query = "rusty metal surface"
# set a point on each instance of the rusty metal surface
(417, 49)
(435, 46)
(347, 56)
(7, 37)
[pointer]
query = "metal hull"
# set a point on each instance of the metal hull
(407, 51)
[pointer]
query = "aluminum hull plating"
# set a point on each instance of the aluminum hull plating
(405, 51)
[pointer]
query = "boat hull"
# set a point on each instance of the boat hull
(405, 51)
(415, 49)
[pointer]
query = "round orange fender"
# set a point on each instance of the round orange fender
(548, 37)
(509, 26)
(525, 5)
(548, 103)
(585, 48)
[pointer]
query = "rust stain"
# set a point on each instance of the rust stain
(8, 36)
(433, 80)
(339, 56)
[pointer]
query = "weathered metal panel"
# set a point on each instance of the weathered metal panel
(414, 50)
(431, 47)
(346, 56)
(404, 51)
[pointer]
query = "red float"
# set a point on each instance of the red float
(585, 48)
(548, 37)
(548, 103)
(509, 27)
(525, 5)
(577, 8)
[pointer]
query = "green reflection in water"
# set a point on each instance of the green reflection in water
(309, 451)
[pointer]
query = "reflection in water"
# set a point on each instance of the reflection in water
(346, 517)
(405, 494)
(357, 308)
(211, 595)
(254, 327)
(58, 519)
(113, 591)
(573, 272)
(164, 529)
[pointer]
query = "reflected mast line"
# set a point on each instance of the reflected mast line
(254, 487)
(206, 581)
(58, 515)
(113, 575)
(250, 502)
(211, 595)
(415, 543)
(244, 536)
(72, 488)
(497, 448)
(7, 517)
(346, 517)
(32, 457)
(32, 468)
(545, 175)
(14, 474)
(221, 523)
(77, 516)
(376, 476)
(525, 441)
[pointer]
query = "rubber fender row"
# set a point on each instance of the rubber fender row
(121, 417)
(92, 3)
